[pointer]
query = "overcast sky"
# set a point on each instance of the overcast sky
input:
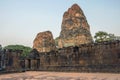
(21, 20)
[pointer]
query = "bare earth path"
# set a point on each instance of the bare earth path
(33, 75)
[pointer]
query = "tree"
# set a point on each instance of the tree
(56, 41)
(101, 36)
(111, 37)
(0, 47)
(26, 50)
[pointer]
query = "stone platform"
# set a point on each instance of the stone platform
(36, 75)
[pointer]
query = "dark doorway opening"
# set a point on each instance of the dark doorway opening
(29, 63)
(38, 63)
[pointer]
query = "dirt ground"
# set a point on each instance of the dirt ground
(37, 75)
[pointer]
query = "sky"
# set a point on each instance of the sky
(21, 20)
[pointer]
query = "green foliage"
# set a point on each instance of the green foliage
(26, 50)
(56, 41)
(101, 36)
(111, 37)
(0, 47)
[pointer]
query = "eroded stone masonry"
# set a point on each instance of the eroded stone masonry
(44, 42)
(93, 57)
(75, 28)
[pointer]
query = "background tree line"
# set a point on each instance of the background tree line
(101, 36)
(26, 50)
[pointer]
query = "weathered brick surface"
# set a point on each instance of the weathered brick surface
(44, 42)
(75, 28)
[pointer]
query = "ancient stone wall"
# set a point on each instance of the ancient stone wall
(12, 61)
(95, 57)
(2, 57)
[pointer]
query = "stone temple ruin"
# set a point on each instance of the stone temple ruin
(75, 29)
(44, 42)
(76, 50)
